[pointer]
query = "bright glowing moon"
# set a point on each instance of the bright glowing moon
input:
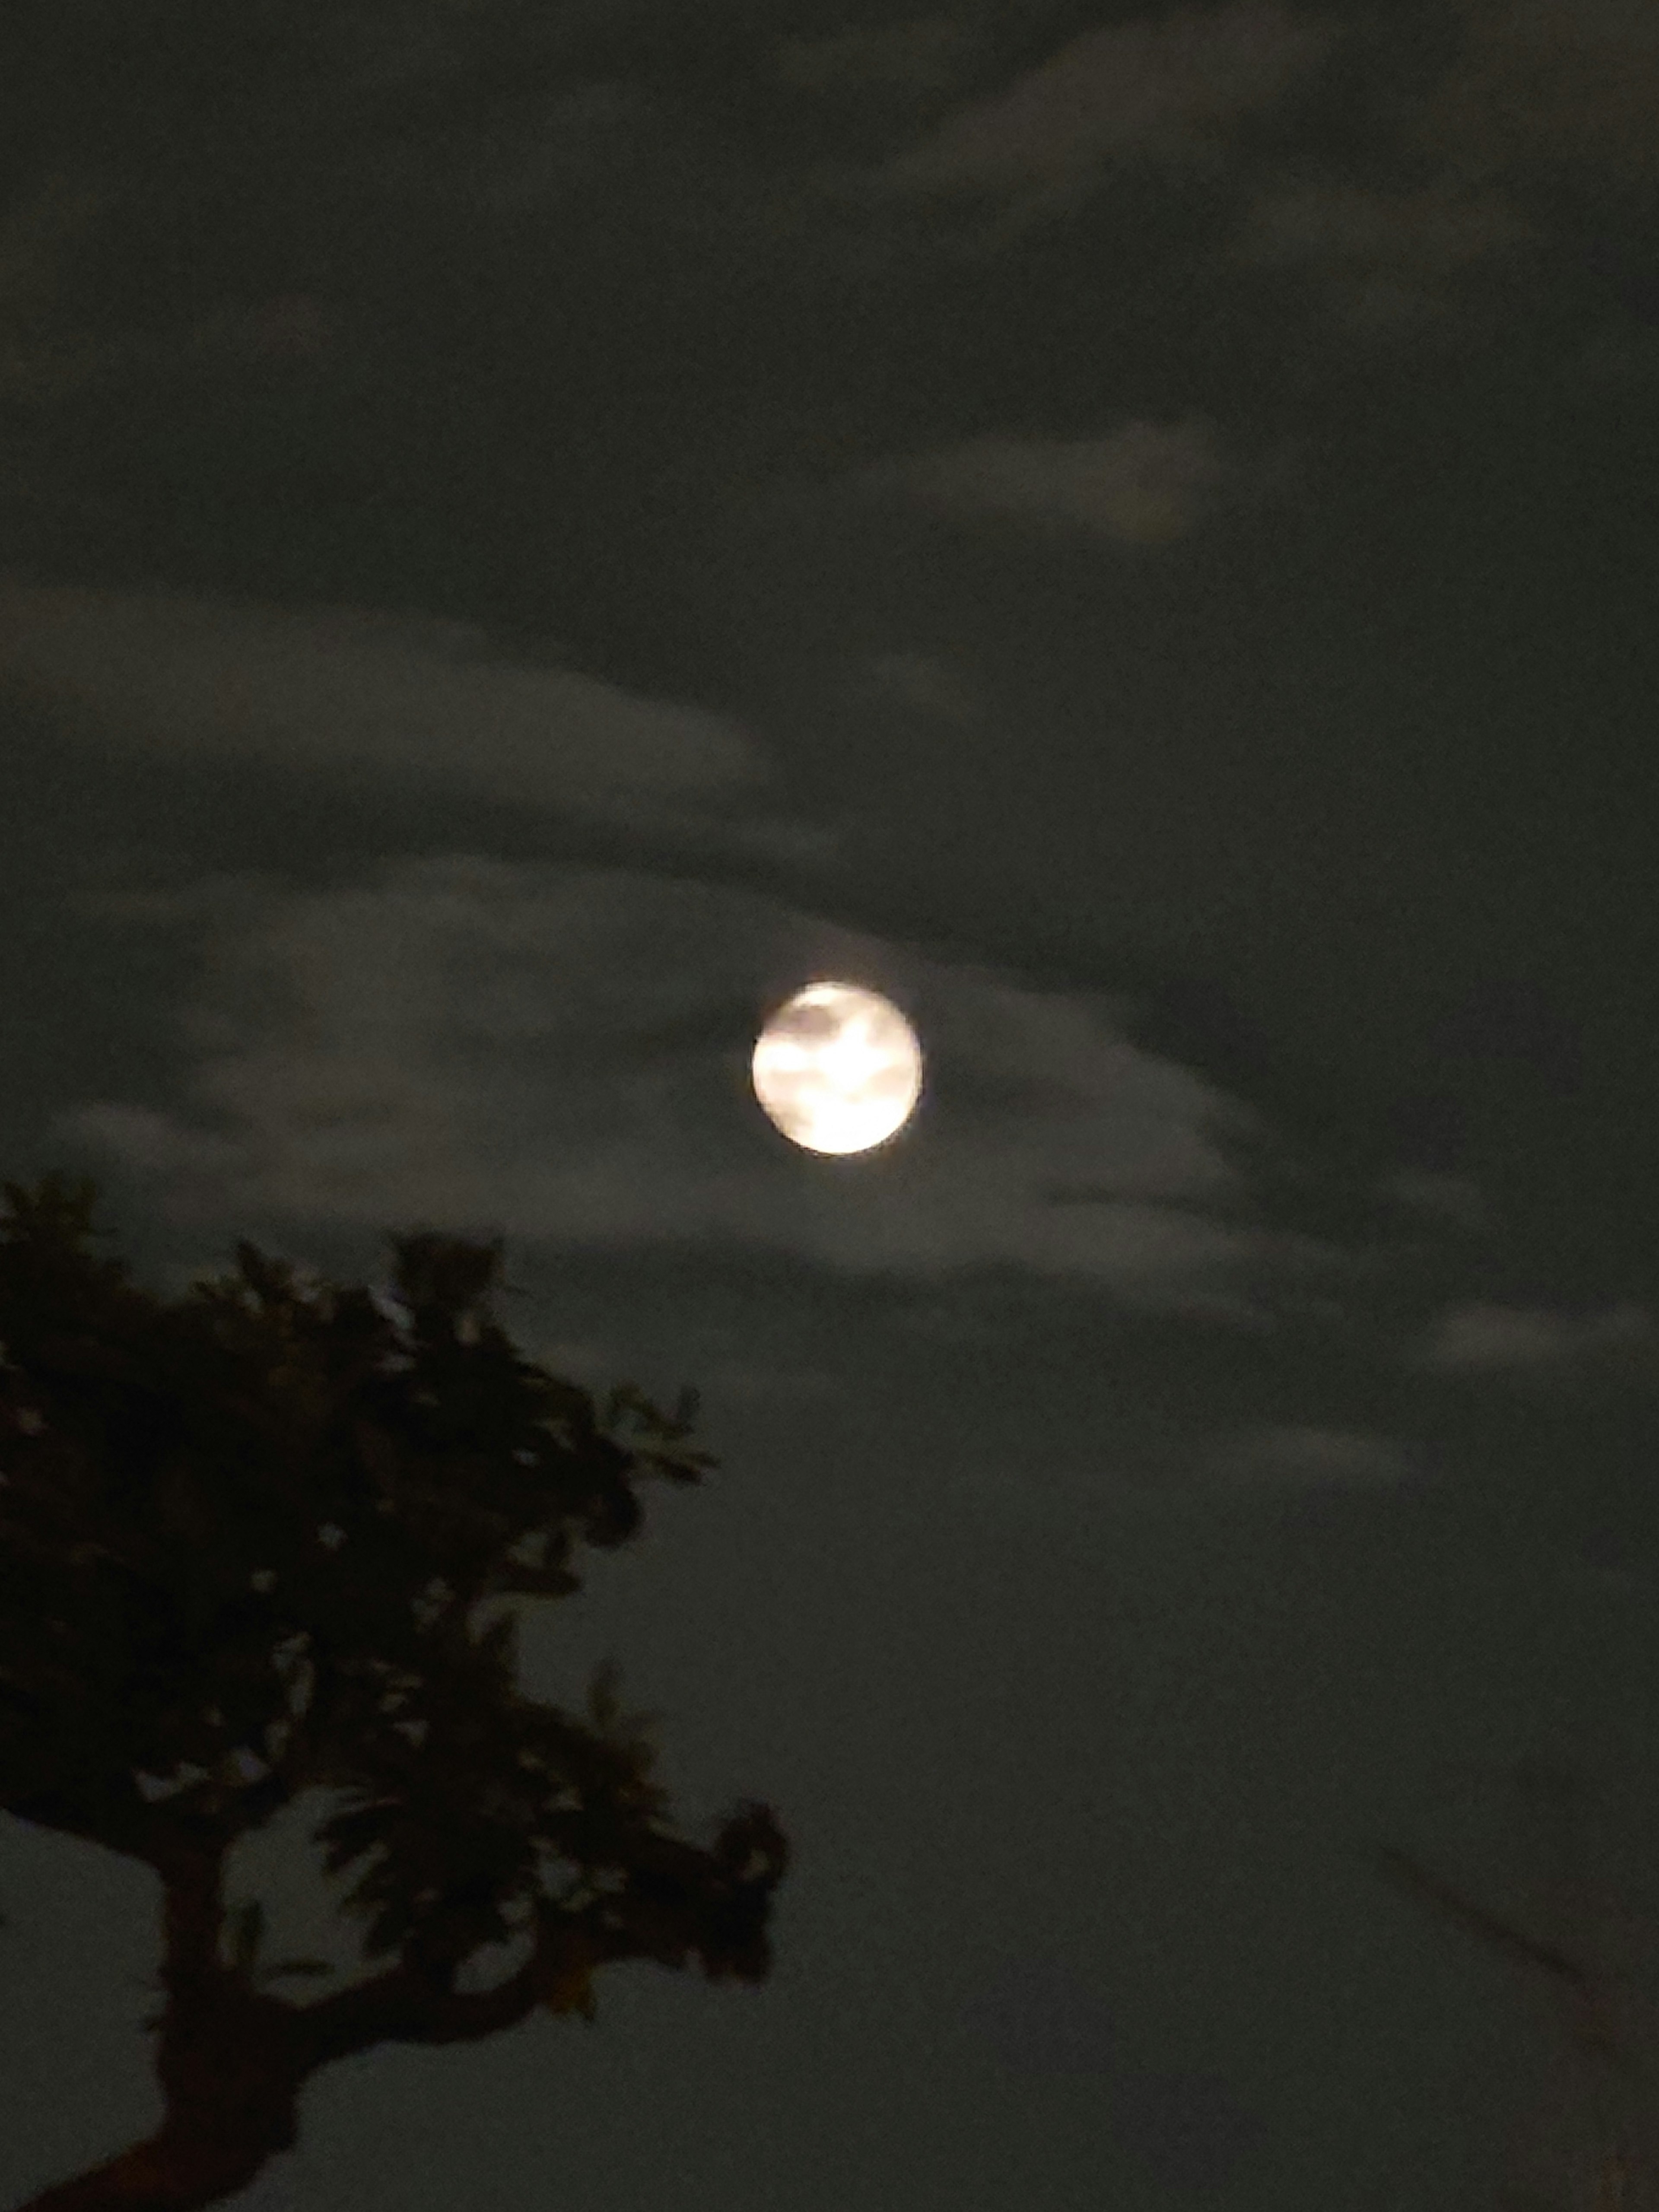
(837, 1068)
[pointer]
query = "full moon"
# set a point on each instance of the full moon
(837, 1068)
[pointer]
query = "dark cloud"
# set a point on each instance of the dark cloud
(1390, 262)
(1163, 87)
(432, 704)
(1144, 484)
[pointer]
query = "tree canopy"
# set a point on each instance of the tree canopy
(249, 1538)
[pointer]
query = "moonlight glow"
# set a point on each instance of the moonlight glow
(837, 1068)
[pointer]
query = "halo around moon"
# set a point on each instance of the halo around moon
(837, 1068)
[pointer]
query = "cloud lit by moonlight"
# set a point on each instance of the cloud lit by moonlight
(837, 1068)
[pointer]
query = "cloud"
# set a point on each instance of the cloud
(1297, 1455)
(564, 1052)
(1446, 1197)
(428, 705)
(1528, 1343)
(923, 680)
(1161, 87)
(1388, 257)
(1142, 483)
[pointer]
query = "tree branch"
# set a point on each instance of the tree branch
(404, 2006)
(1513, 1941)
(1593, 2023)
(192, 1914)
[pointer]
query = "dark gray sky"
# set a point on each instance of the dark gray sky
(529, 531)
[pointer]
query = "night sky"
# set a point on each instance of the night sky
(528, 532)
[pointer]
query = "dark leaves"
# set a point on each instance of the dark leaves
(442, 1279)
(648, 1420)
(567, 1981)
(167, 1610)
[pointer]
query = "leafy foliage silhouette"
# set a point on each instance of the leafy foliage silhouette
(245, 1539)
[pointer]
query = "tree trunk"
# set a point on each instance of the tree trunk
(232, 2108)
(232, 2105)
(230, 2066)
(171, 2170)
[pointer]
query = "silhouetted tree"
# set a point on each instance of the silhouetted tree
(247, 1541)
